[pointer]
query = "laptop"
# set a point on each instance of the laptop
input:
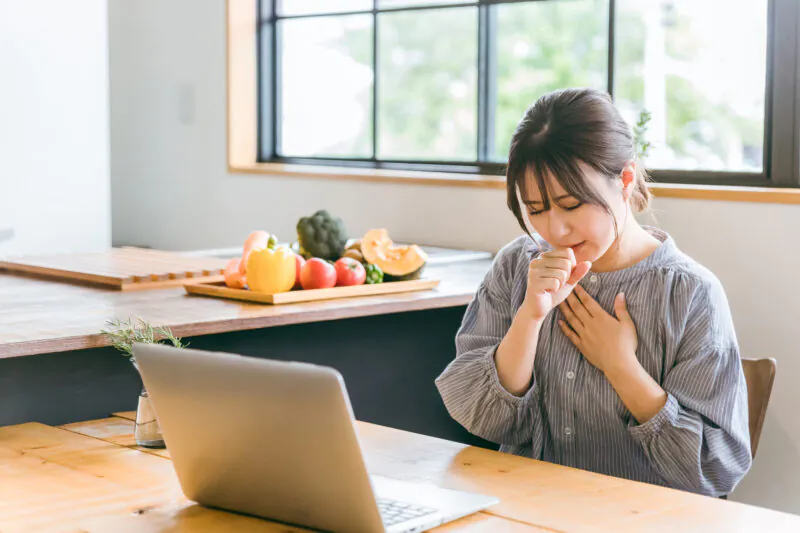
(277, 440)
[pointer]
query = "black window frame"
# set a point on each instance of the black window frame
(781, 162)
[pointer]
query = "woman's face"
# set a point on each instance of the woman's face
(587, 229)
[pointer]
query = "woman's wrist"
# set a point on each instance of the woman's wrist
(637, 389)
(529, 316)
(622, 367)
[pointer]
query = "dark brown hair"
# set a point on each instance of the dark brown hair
(561, 130)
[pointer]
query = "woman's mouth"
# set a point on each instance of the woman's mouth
(578, 247)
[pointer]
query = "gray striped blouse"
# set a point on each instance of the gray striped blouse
(572, 416)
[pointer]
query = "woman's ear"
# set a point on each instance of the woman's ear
(628, 177)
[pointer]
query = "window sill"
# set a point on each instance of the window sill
(660, 190)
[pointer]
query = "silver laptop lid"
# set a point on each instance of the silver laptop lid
(269, 438)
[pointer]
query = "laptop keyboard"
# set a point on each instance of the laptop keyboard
(394, 512)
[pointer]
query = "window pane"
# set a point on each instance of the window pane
(384, 4)
(700, 70)
(309, 7)
(326, 86)
(541, 47)
(427, 84)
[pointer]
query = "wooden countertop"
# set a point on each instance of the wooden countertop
(90, 476)
(38, 315)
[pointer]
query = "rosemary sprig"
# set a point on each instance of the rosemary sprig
(123, 333)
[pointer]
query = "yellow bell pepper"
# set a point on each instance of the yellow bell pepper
(271, 271)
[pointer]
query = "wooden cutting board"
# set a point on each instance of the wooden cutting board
(124, 268)
(219, 290)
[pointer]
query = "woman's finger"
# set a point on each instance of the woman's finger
(578, 307)
(588, 302)
(553, 273)
(621, 308)
(555, 262)
(572, 319)
(563, 253)
(570, 333)
(546, 284)
(580, 270)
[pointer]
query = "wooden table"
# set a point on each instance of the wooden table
(39, 315)
(90, 477)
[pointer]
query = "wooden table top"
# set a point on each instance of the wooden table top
(38, 315)
(91, 477)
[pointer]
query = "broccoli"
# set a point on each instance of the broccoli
(321, 235)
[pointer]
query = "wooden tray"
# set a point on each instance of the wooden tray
(123, 268)
(219, 290)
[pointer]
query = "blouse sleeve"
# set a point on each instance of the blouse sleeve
(469, 386)
(700, 440)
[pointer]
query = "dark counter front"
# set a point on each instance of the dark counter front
(389, 363)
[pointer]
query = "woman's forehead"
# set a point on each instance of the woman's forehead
(531, 192)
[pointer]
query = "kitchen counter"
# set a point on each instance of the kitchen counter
(39, 315)
(56, 367)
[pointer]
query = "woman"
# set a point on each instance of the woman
(604, 347)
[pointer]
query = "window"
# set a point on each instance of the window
(441, 84)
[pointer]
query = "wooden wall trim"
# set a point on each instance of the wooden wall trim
(659, 190)
(242, 82)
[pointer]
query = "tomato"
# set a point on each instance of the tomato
(317, 274)
(349, 271)
(300, 262)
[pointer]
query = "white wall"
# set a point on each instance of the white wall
(54, 138)
(171, 190)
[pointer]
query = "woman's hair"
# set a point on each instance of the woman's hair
(559, 132)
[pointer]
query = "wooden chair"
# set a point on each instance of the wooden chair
(760, 375)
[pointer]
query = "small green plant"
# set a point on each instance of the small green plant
(123, 333)
(639, 132)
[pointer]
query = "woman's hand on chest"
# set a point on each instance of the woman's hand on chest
(608, 342)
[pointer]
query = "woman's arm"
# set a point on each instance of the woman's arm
(551, 277)
(493, 336)
(700, 439)
(637, 389)
(515, 356)
(694, 426)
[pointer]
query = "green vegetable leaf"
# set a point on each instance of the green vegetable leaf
(374, 274)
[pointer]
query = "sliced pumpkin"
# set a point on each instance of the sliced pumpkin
(398, 262)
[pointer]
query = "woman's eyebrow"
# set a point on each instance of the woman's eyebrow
(557, 198)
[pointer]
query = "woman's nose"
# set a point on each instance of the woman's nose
(558, 226)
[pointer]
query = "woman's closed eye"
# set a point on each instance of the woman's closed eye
(564, 207)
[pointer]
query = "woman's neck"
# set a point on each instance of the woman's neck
(634, 244)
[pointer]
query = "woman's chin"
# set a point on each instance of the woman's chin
(592, 254)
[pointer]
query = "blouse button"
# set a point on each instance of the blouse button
(593, 278)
